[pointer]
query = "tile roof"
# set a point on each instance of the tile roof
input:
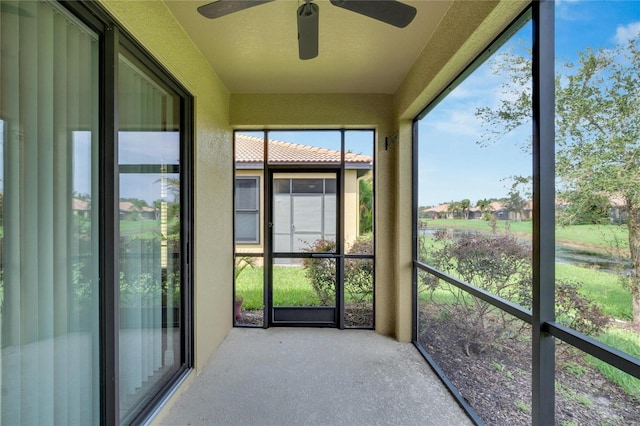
(249, 149)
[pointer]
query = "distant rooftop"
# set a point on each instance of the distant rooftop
(250, 151)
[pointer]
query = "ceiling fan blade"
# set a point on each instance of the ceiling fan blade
(225, 7)
(308, 27)
(389, 11)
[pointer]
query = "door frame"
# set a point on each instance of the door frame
(304, 316)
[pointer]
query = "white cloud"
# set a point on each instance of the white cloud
(625, 33)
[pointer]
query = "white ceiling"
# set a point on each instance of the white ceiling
(256, 50)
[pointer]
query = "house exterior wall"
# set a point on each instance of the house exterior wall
(159, 33)
(351, 200)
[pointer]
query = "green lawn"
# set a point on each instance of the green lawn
(628, 342)
(480, 225)
(602, 287)
(291, 288)
(139, 226)
(597, 237)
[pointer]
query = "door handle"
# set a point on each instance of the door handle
(324, 255)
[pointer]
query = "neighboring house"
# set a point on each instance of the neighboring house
(130, 210)
(297, 196)
(502, 212)
(81, 207)
(497, 208)
(617, 209)
(437, 212)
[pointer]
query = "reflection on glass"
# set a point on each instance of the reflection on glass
(485, 352)
(150, 243)
(249, 290)
(597, 175)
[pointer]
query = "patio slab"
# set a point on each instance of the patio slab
(315, 376)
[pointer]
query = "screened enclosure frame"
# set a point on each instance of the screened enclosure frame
(265, 210)
(542, 316)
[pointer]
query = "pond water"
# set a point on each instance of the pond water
(566, 254)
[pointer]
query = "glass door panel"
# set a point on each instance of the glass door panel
(150, 236)
(49, 217)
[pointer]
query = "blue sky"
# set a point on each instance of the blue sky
(452, 165)
(358, 141)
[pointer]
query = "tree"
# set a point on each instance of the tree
(518, 195)
(452, 209)
(597, 132)
(464, 206)
(484, 205)
(366, 204)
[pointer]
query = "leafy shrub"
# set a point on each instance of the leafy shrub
(576, 311)
(501, 265)
(322, 271)
(358, 274)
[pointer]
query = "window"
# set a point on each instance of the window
(247, 211)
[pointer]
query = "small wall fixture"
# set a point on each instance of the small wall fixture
(390, 140)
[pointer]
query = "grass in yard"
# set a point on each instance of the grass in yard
(605, 289)
(139, 226)
(249, 287)
(607, 236)
(480, 225)
(291, 287)
(597, 237)
(628, 342)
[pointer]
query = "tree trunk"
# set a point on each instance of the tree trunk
(636, 310)
(633, 224)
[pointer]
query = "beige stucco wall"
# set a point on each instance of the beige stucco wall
(213, 273)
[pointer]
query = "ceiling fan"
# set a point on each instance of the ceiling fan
(388, 11)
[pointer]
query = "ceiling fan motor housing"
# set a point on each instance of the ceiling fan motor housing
(308, 29)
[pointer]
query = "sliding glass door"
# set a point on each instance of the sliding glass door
(95, 191)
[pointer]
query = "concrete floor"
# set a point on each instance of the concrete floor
(315, 376)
